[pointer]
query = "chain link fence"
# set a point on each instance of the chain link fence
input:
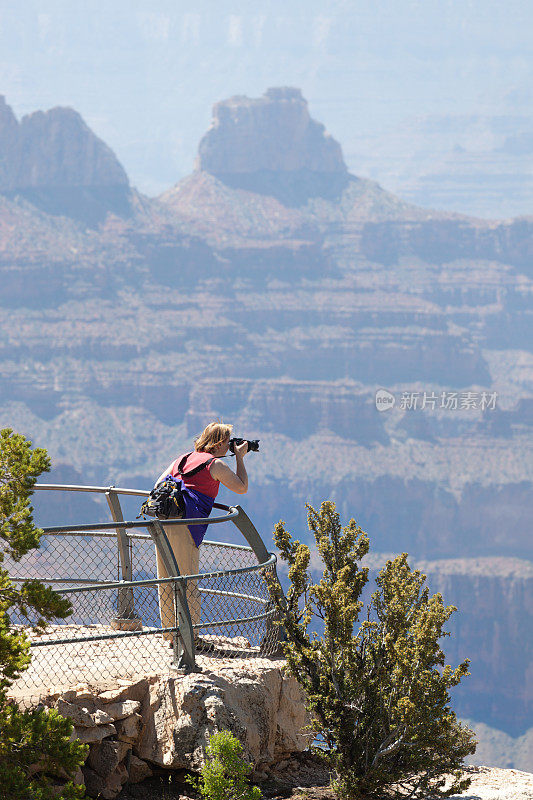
(222, 614)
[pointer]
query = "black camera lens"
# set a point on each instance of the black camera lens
(253, 445)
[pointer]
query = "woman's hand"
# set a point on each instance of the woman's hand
(241, 449)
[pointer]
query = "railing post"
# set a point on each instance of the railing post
(126, 618)
(184, 642)
(250, 533)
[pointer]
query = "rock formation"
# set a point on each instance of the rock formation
(57, 163)
(272, 146)
(134, 727)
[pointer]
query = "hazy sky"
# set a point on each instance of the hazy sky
(144, 74)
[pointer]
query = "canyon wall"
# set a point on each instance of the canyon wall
(274, 290)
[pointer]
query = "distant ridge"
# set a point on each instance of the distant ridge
(57, 163)
(266, 171)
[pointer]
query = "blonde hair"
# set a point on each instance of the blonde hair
(213, 435)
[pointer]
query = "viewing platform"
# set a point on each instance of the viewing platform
(108, 573)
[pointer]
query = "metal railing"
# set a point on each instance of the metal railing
(108, 572)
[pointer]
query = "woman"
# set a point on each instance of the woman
(199, 493)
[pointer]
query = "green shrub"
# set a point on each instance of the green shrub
(377, 687)
(225, 774)
(34, 745)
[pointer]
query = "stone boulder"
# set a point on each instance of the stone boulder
(165, 721)
(259, 705)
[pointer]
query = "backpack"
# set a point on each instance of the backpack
(165, 501)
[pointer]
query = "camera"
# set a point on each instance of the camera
(253, 445)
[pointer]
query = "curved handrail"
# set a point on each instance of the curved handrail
(72, 487)
(104, 526)
(152, 581)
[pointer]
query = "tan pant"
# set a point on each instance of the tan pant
(188, 557)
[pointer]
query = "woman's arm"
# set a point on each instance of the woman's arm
(165, 472)
(236, 481)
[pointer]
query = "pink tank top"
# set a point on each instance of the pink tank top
(202, 481)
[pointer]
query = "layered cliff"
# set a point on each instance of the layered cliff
(494, 601)
(494, 597)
